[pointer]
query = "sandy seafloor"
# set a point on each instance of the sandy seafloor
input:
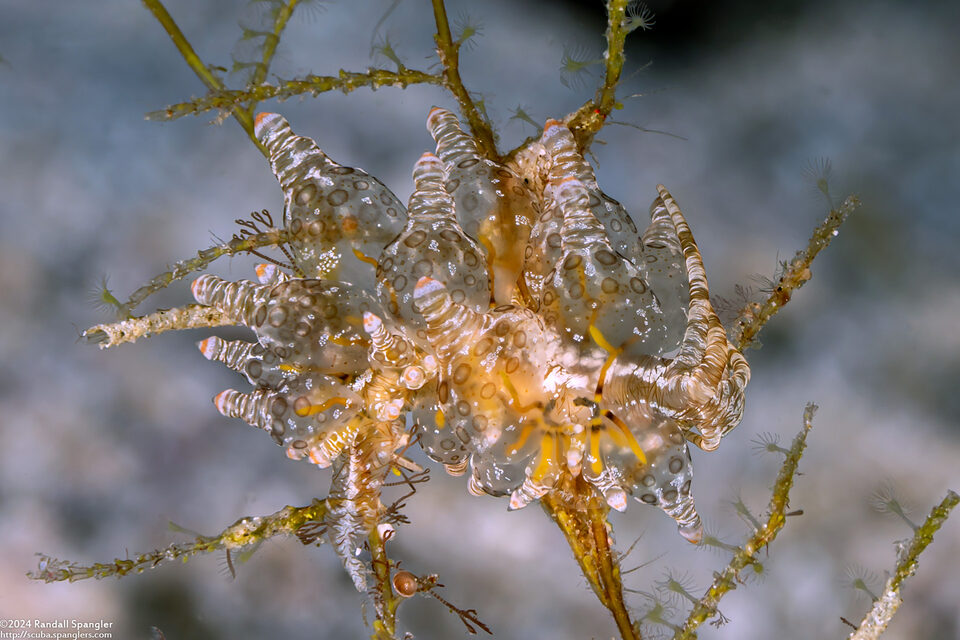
(100, 450)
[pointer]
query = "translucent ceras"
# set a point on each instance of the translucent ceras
(339, 217)
(493, 203)
(325, 388)
(655, 256)
(310, 347)
(432, 244)
(518, 321)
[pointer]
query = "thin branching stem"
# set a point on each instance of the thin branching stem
(879, 616)
(428, 585)
(746, 555)
(616, 37)
(755, 316)
(271, 41)
(243, 533)
(582, 517)
(212, 82)
(345, 81)
(183, 268)
(387, 601)
(586, 121)
(449, 53)
(270, 44)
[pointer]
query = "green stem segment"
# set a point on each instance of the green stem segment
(212, 82)
(183, 268)
(345, 81)
(879, 616)
(449, 53)
(586, 121)
(755, 316)
(386, 600)
(243, 533)
(271, 42)
(616, 37)
(746, 555)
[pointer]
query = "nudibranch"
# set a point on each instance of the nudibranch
(511, 319)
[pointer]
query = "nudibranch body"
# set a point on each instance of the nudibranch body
(513, 315)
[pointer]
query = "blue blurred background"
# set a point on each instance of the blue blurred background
(100, 450)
